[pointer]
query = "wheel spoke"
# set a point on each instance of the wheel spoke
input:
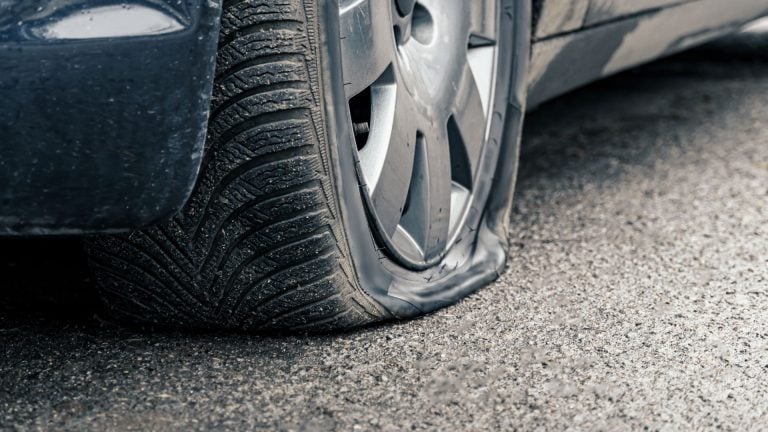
(439, 200)
(467, 130)
(367, 42)
(481, 62)
(414, 225)
(387, 158)
(459, 198)
(476, 17)
(482, 27)
(427, 219)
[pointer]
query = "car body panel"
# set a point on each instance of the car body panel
(556, 17)
(559, 16)
(103, 111)
(562, 63)
(601, 11)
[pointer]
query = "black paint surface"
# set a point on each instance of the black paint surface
(101, 127)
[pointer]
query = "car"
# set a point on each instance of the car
(296, 165)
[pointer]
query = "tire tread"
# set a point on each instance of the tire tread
(259, 245)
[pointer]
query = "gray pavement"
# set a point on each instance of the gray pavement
(636, 298)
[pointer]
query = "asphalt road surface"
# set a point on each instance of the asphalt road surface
(637, 296)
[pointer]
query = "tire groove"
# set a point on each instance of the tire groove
(105, 268)
(142, 252)
(264, 200)
(259, 120)
(319, 323)
(258, 91)
(252, 231)
(277, 296)
(169, 237)
(121, 275)
(220, 149)
(262, 60)
(278, 157)
(169, 254)
(290, 242)
(268, 25)
(302, 308)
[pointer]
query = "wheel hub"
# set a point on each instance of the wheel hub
(419, 77)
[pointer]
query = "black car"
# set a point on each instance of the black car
(296, 164)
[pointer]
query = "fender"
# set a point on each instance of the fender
(103, 111)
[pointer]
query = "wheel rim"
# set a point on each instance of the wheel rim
(419, 78)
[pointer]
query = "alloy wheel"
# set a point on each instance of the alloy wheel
(419, 79)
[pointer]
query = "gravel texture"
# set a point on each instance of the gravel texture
(636, 298)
